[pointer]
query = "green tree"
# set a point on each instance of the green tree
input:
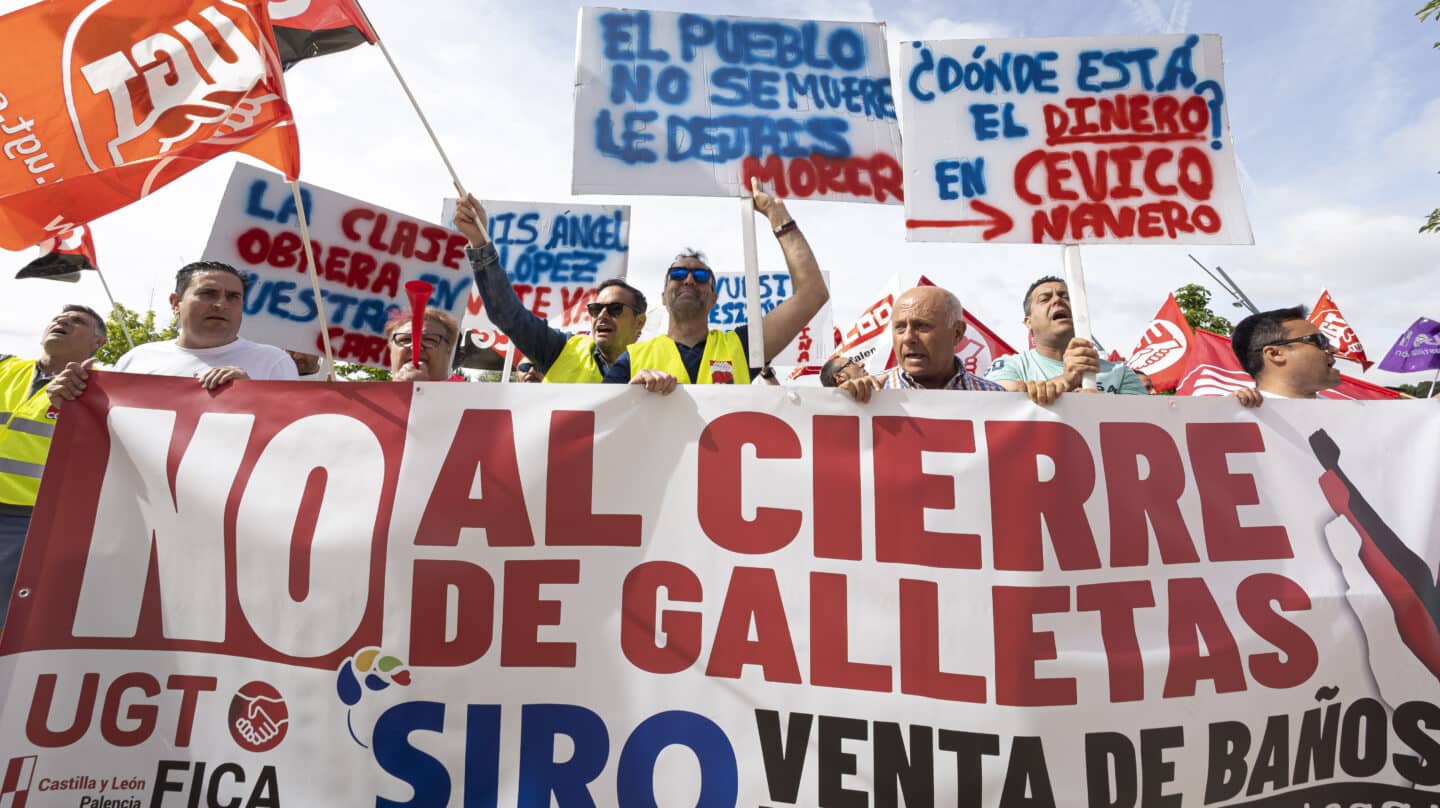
(142, 330)
(349, 371)
(1418, 390)
(1431, 9)
(1194, 301)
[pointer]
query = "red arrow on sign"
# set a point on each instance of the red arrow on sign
(997, 220)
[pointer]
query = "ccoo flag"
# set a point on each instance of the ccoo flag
(106, 101)
(1162, 349)
(1326, 316)
(1417, 349)
(63, 258)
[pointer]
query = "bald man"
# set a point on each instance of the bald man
(926, 324)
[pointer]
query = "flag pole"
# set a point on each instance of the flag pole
(1079, 304)
(116, 306)
(753, 315)
(314, 278)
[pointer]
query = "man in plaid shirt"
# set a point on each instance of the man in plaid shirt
(926, 323)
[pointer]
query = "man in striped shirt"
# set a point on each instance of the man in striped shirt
(926, 324)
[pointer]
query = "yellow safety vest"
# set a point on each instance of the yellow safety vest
(26, 425)
(576, 363)
(723, 351)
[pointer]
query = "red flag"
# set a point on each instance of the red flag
(1161, 351)
(62, 258)
(1211, 369)
(108, 100)
(306, 28)
(1114, 356)
(1326, 316)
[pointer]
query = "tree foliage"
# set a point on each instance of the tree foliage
(1194, 301)
(1418, 390)
(349, 371)
(142, 330)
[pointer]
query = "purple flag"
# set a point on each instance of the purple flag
(1417, 349)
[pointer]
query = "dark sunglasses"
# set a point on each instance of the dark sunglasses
(614, 309)
(1317, 339)
(679, 274)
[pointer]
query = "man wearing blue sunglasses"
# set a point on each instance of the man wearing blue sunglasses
(690, 352)
(617, 313)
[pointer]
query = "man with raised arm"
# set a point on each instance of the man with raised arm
(1059, 361)
(925, 324)
(27, 422)
(1288, 356)
(617, 313)
(690, 352)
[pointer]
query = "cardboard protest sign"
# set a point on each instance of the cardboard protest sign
(1070, 140)
(696, 105)
(387, 594)
(812, 345)
(555, 255)
(364, 254)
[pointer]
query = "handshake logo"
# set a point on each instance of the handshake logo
(258, 717)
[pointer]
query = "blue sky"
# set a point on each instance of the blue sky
(1333, 104)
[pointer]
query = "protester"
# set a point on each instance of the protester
(925, 325)
(617, 313)
(692, 353)
(308, 365)
(840, 369)
(208, 304)
(1059, 361)
(527, 373)
(437, 347)
(768, 377)
(1146, 382)
(1288, 356)
(27, 422)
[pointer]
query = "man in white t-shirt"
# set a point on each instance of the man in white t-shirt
(208, 303)
(1288, 356)
(1059, 360)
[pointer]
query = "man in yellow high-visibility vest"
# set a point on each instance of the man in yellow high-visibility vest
(27, 421)
(690, 352)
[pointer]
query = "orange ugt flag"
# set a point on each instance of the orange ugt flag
(102, 103)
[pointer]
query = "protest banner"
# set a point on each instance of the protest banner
(446, 594)
(696, 105)
(1069, 140)
(811, 345)
(294, 589)
(364, 254)
(555, 255)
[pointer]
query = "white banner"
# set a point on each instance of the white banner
(364, 254)
(697, 104)
(812, 346)
(555, 255)
(1070, 140)
(447, 594)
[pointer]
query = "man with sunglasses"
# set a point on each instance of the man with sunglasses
(617, 313)
(840, 369)
(437, 347)
(690, 352)
(1288, 356)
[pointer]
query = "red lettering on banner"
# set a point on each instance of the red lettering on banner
(569, 489)
(1019, 499)
(830, 664)
(719, 500)
(836, 487)
(1199, 621)
(336, 264)
(753, 597)
(525, 612)
(37, 724)
(482, 455)
(353, 346)
(878, 176)
(681, 629)
(1018, 646)
(1116, 601)
(140, 716)
(409, 239)
(1134, 500)
(432, 581)
(903, 491)
(1221, 493)
(920, 673)
(1298, 658)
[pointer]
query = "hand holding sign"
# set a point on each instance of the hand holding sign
(469, 220)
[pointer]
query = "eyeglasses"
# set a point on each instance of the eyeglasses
(1318, 339)
(679, 274)
(428, 339)
(615, 309)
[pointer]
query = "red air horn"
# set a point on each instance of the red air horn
(419, 292)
